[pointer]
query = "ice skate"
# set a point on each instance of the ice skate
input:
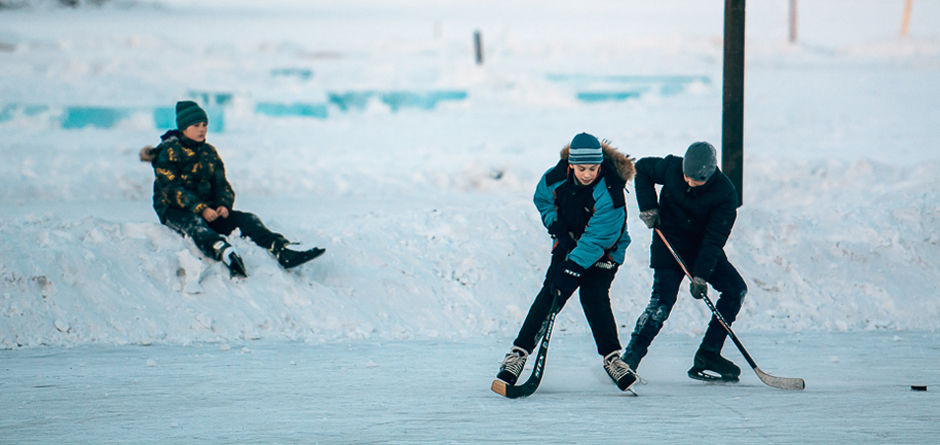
(710, 366)
(619, 371)
(512, 365)
(289, 258)
(225, 253)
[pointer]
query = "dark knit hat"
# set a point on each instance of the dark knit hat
(700, 161)
(188, 113)
(585, 149)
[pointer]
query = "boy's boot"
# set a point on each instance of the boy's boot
(225, 253)
(710, 360)
(288, 258)
(512, 365)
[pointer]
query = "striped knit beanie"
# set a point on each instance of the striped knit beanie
(188, 113)
(585, 149)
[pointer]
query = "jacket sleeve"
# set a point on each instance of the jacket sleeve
(649, 172)
(717, 230)
(602, 231)
(222, 192)
(169, 186)
(544, 199)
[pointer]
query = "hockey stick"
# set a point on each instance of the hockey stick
(776, 382)
(526, 389)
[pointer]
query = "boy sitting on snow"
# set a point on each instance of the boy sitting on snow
(192, 196)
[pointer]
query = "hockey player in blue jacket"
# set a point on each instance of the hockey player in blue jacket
(582, 204)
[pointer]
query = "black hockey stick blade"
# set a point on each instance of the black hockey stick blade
(528, 388)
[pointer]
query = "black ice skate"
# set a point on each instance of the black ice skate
(710, 366)
(225, 253)
(288, 258)
(619, 371)
(512, 365)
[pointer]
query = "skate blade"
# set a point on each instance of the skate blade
(714, 378)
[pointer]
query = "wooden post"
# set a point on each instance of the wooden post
(478, 45)
(792, 21)
(906, 21)
(732, 116)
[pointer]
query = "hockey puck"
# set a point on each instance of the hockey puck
(918, 387)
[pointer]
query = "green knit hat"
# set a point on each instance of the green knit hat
(188, 113)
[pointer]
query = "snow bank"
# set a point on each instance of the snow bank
(415, 168)
(851, 255)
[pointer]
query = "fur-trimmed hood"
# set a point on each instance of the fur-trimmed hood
(149, 153)
(623, 164)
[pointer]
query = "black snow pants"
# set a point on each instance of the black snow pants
(205, 233)
(595, 301)
(725, 279)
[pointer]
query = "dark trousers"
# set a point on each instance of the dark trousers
(205, 233)
(725, 279)
(595, 301)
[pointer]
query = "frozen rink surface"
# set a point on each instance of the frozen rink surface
(857, 391)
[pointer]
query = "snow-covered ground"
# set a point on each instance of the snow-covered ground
(366, 127)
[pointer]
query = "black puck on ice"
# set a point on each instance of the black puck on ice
(918, 387)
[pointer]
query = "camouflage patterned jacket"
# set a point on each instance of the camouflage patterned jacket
(190, 176)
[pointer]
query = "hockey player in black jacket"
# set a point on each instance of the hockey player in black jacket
(695, 211)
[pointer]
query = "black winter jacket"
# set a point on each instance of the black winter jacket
(696, 220)
(189, 176)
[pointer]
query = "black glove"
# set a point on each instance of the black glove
(559, 231)
(699, 287)
(566, 280)
(650, 218)
(564, 244)
(558, 228)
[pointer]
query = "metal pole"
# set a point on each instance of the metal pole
(732, 116)
(792, 21)
(478, 46)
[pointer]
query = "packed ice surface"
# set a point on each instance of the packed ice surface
(437, 391)
(367, 128)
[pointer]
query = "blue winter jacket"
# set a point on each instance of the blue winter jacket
(595, 215)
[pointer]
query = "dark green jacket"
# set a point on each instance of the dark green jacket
(190, 176)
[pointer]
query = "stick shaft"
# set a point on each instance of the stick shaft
(708, 301)
(776, 382)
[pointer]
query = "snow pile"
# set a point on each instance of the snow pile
(415, 168)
